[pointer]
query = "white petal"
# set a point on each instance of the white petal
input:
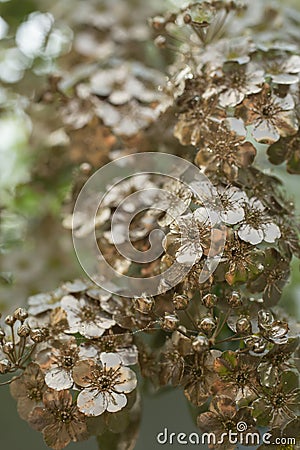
(58, 379)
(129, 355)
(70, 303)
(249, 234)
(128, 381)
(110, 359)
(233, 216)
(91, 402)
(271, 232)
(90, 330)
(207, 215)
(116, 402)
(187, 254)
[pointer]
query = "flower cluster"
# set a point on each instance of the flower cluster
(216, 332)
(68, 343)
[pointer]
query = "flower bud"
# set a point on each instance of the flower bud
(187, 18)
(37, 335)
(23, 331)
(160, 42)
(207, 325)
(170, 322)
(143, 304)
(5, 366)
(158, 23)
(10, 320)
(8, 348)
(21, 314)
(209, 300)
(243, 326)
(200, 343)
(181, 301)
(235, 299)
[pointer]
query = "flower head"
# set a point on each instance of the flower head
(59, 420)
(28, 390)
(257, 226)
(271, 116)
(86, 316)
(224, 149)
(104, 384)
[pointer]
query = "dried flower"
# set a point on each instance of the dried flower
(236, 82)
(28, 390)
(59, 420)
(278, 404)
(224, 149)
(222, 417)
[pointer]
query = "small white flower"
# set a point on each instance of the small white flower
(105, 384)
(257, 226)
(86, 317)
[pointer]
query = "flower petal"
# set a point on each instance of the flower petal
(59, 379)
(91, 402)
(116, 402)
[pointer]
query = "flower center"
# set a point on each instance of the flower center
(64, 416)
(34, 394)
(87, 314)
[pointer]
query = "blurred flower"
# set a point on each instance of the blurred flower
(28, 390)
(44, 302)
(280, 68)
(286, 149)
(105, 385)
(227, 50)
(59, 420)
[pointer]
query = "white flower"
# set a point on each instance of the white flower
(105, 384)
(86, 317)
(190, 235)
(257, 226)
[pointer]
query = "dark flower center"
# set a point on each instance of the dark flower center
(87, 314)
(64, 415)
(34, 394)
(68, 361)
(241, 379)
